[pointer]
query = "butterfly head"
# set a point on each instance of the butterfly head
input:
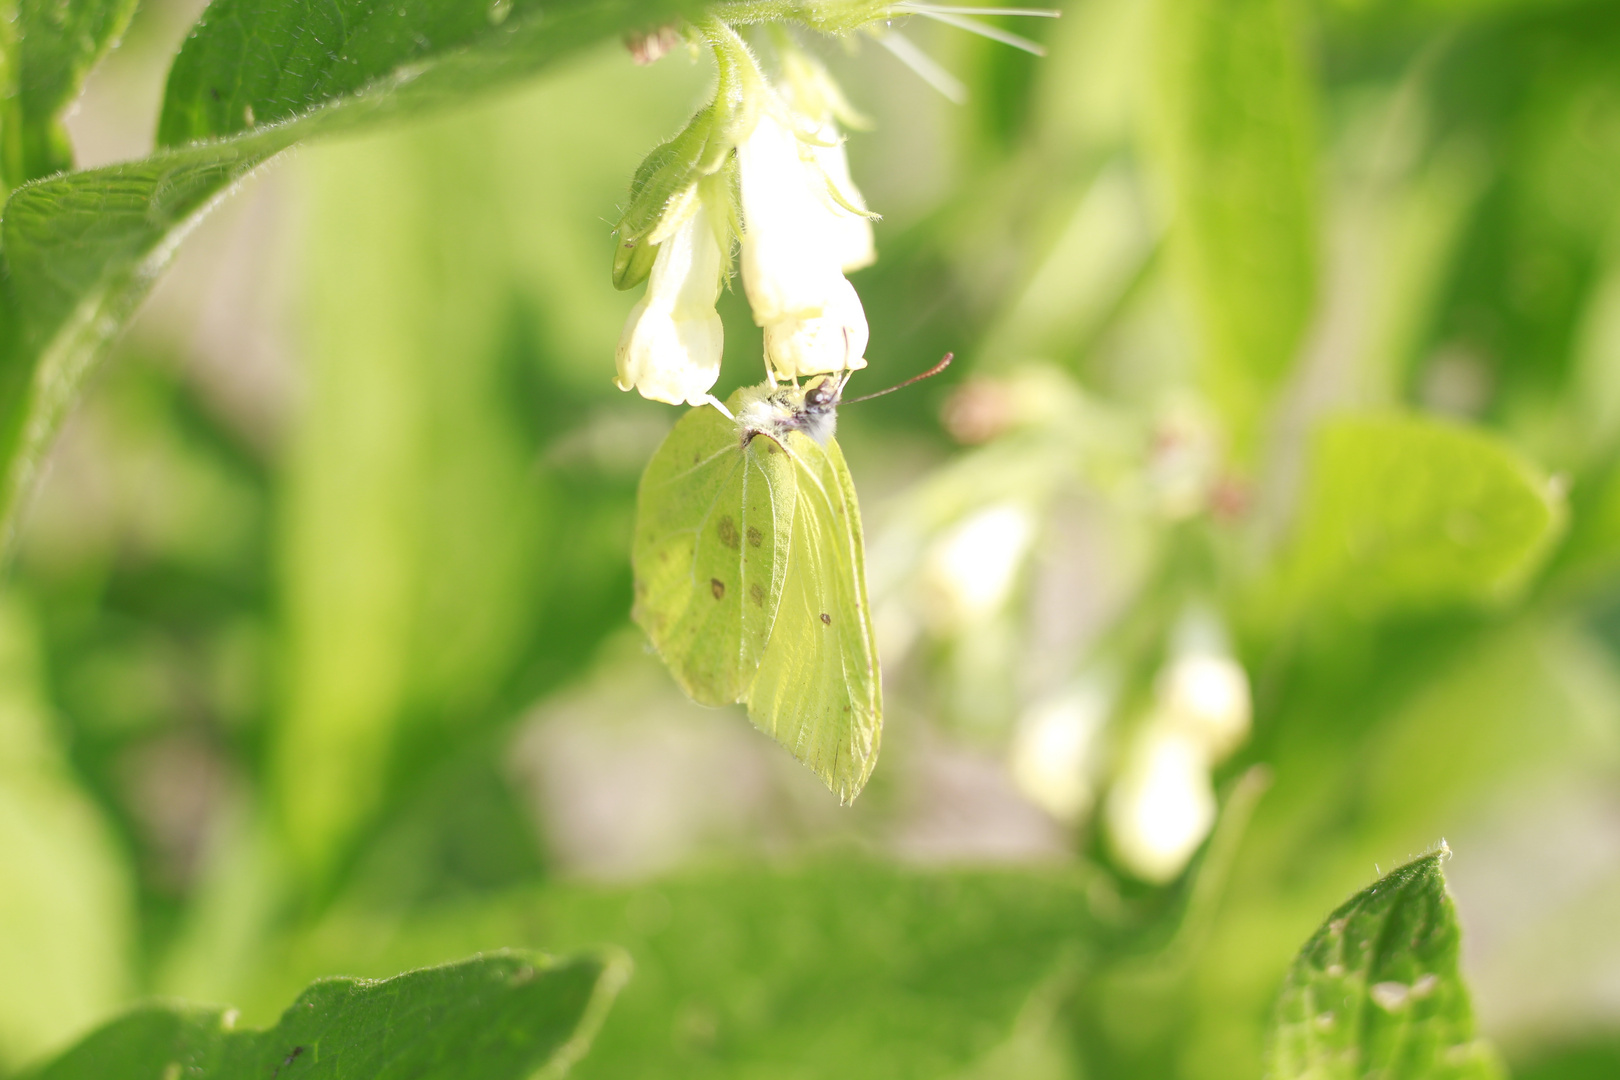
(775, 411)
(817, 414)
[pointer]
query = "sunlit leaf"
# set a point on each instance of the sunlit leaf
(507, 1015)
(1376, 992)
(1406, 513)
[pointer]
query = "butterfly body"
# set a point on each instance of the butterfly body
(750, 575)
(777, 410)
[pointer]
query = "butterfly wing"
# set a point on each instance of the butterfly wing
(818, 688)
(710, 553)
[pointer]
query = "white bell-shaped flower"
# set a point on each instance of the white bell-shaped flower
(818, 102)
(792, 266)
(787, 263)
(830, 340)
(1055, 747)
(969, 570)
(671, 344)
(1208, 696)
(1162, 805)
(850, 234)
(1203, 690)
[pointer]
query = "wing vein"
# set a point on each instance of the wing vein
(682, 475)
(720, 489)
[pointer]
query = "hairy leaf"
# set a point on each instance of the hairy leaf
(249, 63)
(510, 1014)
(1376, 992)
(83, 248)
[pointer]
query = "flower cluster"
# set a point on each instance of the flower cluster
(763, 164)
(1162, 805)
(782, 180)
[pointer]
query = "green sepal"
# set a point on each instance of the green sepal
(701, 149)
(663, 174)
(632, 262)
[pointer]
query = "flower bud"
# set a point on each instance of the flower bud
(632, 262)
(671, 345)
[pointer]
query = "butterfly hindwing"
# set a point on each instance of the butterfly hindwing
(817, 691)
(710, 553)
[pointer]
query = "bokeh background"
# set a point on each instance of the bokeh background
(316, 656)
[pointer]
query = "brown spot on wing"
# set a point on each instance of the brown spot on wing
(755, 537)
(826, 619)
(756, 593)
(717, 587)
(728, 533)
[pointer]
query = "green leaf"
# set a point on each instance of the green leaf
(839, 969)
(57, 44)
(1235, 130)
(250, 63)
(511, 1014)
(1404, 513)
(81, 251)
(1375, 992)
(83, 248)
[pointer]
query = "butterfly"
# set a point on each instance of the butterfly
(750, 574)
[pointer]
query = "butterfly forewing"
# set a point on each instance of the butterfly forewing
(817, 690)
(710, 553)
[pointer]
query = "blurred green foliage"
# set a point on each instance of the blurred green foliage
(1301, 316)
(506, 1015)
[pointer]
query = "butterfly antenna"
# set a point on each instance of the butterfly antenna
(930, 373)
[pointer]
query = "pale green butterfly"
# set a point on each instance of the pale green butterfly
(751, 574)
